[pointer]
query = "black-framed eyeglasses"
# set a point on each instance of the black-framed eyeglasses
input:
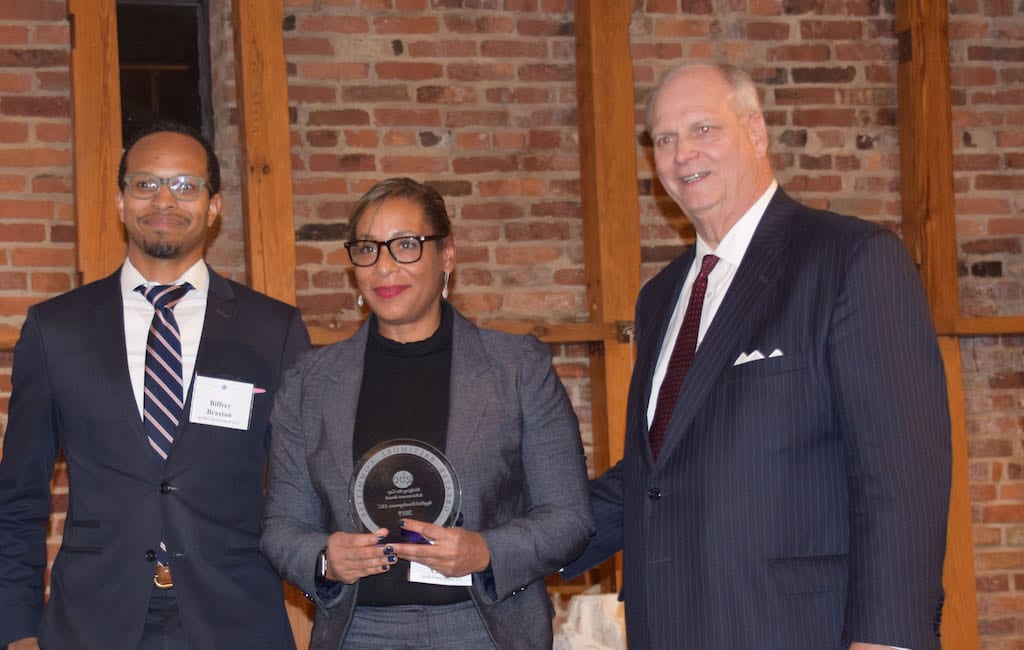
(404, 250)
(182, 187)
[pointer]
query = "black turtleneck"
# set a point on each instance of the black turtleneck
(404, 394)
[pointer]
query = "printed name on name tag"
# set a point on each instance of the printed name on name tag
(221, 402)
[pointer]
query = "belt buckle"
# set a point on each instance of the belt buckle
(162, 577)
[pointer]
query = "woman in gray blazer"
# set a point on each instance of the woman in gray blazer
(419, 376)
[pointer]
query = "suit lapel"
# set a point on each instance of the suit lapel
(761, 267)
(469, 397)
(649, 346)
(107, 321)
(219, 328)
(339, 399)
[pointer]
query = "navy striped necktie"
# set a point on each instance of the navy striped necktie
(164, 395)
(682, 356)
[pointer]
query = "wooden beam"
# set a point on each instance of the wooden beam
(611, 215)
(96, 137)
(991, 326)
(926, 151)
(960, 612)
(605, 104)
(262, 81)
(929, 229)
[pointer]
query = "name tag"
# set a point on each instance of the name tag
(422, 573)
(221, 402)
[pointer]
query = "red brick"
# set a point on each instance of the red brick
(461, 119)
(452, 49)
(821, 117)
(481, 71)
(13, 132)
(35, 106)
(52, 283)
(34, 10)
(13, 35)
(447, 94)
(334, 71)
(403, 25)
(492, 210)
(406, 117)
(483, 164)
(476, 24)
(362, 138)
(767, 31)
(12, 281)
(29, 209)
(295, 45)
(513, 49)
(412, 165)
(34, 157)
(328, 24)
(312, 94)
(1001, 182)
(408, 71)
(22, 232)
(346, 163)
(808, 52)
(56, 133)
(399, 138)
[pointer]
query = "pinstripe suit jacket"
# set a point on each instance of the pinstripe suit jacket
(798, 502)
(513, 440)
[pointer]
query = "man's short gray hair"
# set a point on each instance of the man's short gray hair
(746, 100)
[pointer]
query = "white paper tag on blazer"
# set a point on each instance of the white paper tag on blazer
(221, 402)
(422, 573)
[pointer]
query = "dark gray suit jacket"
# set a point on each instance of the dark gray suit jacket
(799, 502)
(513, 440)
(72, 392)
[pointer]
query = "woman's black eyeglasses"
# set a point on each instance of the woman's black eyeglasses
(404, 250)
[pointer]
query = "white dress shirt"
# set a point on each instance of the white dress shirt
(730, 253)
(190, 312)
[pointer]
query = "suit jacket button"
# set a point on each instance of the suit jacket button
(654, 494)
(150, 555)
(165, 488)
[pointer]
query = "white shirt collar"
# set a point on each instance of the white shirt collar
(198, 275)
(734, 245)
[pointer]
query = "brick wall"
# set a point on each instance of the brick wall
(478, 97)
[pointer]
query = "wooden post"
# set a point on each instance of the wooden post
(611, 219)
(929, 229)
(261, 78)
(96, 139)
(262, 82)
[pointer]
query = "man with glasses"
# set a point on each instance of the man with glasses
(156, 383)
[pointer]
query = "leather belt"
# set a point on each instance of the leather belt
(162, 578)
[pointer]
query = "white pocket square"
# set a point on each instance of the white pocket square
(756, 355)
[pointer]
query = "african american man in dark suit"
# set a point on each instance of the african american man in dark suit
(161, 539)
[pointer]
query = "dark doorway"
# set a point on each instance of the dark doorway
(164, 50)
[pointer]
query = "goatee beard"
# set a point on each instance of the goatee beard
(161, 250)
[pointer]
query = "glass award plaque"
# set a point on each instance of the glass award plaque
(404, 479)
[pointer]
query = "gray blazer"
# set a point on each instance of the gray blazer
(513, 440)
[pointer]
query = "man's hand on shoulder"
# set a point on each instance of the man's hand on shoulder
(28, 643)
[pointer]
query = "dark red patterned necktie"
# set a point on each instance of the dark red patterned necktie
(682, 356)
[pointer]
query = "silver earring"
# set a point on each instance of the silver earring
(444, 292)
(359, 300)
